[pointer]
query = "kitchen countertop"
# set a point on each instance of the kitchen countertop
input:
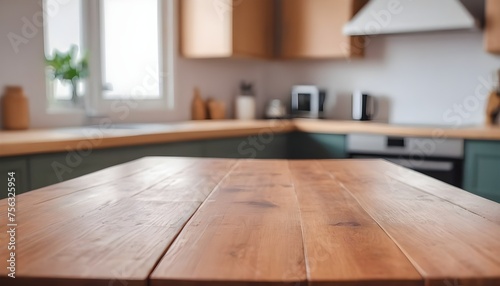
(346, 127)
(35, 141)
(205, 222)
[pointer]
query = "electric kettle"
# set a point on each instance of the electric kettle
(364, 106)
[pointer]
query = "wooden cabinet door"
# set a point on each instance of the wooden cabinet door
(482, 169)
(227, 28)
(20, 167)
(492, 29)
(205, 29)
(253, 28)
(313, 29)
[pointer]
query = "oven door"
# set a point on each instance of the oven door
(444, 169)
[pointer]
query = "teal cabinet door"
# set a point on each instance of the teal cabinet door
(48, 169)
(482, 168)
(317, 146)
(18, 165)
(177, 149)
(264, 146)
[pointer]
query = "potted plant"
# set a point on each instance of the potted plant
(66, 67)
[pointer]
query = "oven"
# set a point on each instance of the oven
(439, 158)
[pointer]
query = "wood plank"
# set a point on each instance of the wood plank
(448, 244)
(483, 207)
(111, 233)
(344, 245)
(247, 232)
(81, 195)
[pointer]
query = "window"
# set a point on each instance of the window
(63, 29)
(123, 39)
(130, 55)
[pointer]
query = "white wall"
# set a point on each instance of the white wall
(420, 77)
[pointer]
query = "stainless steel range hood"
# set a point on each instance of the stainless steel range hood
(409, 16)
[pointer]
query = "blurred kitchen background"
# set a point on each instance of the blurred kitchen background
(416, 77)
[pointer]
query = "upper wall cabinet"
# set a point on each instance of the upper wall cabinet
(226, 28)
(492, 29)
(313, 29)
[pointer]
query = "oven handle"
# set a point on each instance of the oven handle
(444, 166)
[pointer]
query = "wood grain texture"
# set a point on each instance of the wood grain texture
(247, 232)
(313, 29)
(110, 227)
(492, 27)
(253, 28)
(206, 222)
(226, 28)
(446, 242)
(344, 245)
(483, 207)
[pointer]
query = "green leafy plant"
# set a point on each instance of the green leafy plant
(66, 67)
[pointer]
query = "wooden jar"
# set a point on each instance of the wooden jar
(198, 108)
(15, 109)
(216, 109)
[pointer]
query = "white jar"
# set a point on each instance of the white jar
(245, 107)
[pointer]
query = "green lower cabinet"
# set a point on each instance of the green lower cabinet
(482, 169)
(178, 149)
(263, 146)
(18, 166)
(48, 169)
(317, 146)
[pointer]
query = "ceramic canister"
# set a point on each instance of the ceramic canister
(15, 109)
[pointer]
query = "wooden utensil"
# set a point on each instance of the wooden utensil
(198, 108)
(493, 106)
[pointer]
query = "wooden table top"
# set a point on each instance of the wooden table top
(206, 222)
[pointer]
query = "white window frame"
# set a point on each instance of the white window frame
(94, 101)
(57, 105)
